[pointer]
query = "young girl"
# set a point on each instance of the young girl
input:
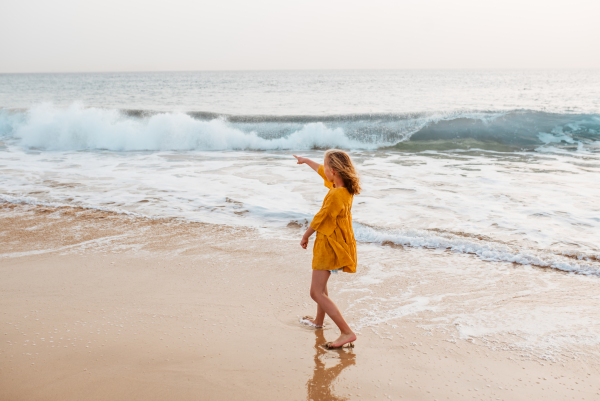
(335, 247)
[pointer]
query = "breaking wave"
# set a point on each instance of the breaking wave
(80, 128)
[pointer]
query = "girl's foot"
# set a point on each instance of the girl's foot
(342, 340)
(310, 321)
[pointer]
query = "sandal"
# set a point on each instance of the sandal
(307, 321)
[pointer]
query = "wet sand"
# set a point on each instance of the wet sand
(102, 306)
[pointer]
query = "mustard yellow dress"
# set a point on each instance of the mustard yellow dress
(335, 247)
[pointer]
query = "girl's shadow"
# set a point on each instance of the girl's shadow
(318, 388)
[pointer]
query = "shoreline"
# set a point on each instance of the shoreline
(580, 263)
(144, 309)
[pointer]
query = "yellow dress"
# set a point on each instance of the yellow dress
(335, 247)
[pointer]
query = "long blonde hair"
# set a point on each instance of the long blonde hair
(339, 161)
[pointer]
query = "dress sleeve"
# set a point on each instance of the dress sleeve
(325, 220)
(321, 172)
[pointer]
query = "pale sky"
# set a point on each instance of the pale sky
(149, 35)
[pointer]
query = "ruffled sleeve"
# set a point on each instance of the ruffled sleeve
(321, 172)
(324, 221)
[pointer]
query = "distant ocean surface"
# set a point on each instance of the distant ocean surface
(504, 165)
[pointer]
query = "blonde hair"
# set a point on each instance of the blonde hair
(339, 161)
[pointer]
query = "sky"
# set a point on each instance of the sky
(187, 35)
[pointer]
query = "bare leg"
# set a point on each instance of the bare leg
(318, 292)
(319, 319)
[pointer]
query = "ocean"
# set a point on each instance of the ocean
(502, 165)
(494, 173)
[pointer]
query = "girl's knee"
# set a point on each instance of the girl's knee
(314, 294)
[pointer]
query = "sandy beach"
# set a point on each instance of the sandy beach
(103, 306)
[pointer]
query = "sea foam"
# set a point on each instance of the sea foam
(78, 128)
(486, 250)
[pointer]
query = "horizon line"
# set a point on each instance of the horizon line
(304, 70)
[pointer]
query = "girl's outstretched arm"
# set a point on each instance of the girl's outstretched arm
(312, 164)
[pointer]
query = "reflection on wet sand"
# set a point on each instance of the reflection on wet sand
(319, 387)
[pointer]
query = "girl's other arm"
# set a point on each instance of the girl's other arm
(312, 164)
(307, 234)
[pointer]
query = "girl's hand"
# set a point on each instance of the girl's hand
(306, 236)
(301, 160)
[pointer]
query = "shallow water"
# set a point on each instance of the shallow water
(542, 314)
(521, 207)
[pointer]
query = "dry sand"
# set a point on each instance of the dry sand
(99, 306)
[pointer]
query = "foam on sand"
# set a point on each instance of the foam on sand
(484, 249)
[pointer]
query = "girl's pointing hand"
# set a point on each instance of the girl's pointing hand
(301, 160)
(306, 160)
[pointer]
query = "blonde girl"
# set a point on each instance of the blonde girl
(335, 248)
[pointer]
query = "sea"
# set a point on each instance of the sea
(501, 164)
(496, 171)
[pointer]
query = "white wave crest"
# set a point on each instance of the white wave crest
(486, 250)
(80, 128)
